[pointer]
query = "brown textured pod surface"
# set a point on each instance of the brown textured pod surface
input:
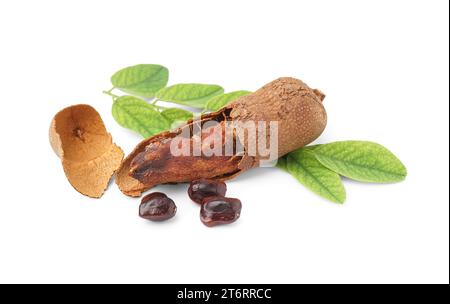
(296, 107)
(89, 157)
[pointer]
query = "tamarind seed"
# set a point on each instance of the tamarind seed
(219, 210)
(203, 188)
(157, 207)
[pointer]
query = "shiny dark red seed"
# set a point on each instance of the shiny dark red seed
(203, 188)
(157, 207)
(219, 210)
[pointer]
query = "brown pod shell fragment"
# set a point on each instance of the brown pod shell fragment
(297, 108)
(89, 157)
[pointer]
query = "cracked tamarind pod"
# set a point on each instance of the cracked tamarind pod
(89, 157)
(295, 107)
(157, 162)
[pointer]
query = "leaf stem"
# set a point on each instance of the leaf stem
(153, 103)
(159, 107)
(114, 96)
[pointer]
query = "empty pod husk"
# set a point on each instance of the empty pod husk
(89, 157)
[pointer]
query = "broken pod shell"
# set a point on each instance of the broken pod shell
(88, 155)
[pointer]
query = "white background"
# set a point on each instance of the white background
(382, 64)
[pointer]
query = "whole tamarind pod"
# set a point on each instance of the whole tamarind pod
(296, 108)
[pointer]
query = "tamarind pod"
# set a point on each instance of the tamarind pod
(297, 109)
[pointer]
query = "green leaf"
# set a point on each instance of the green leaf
(142, 80)
(175, 115)
(138, 115)
(313, 175)
(220, 101)
(282, 163)
(190, 94)
(362, 161)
